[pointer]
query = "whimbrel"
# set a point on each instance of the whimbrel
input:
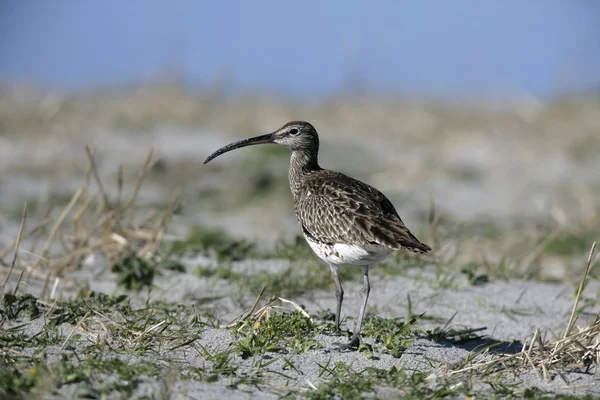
(345, 221)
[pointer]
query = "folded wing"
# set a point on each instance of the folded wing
(338, 209)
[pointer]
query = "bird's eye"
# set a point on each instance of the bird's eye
(293, 131)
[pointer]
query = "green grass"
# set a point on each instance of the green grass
(135, 273)
(393, 335)
(88, 338)
(87, 373)
(346, 383)
(104, 346)
(15, 382)
(113, 339)
(14, 306)
(471, 271)
(154, 341)
(281, 332)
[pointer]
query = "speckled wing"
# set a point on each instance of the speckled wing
(335, 208)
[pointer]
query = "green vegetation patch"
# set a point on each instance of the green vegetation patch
(89, 373)
(394, 335)
(281, 332)
(345, 383)
(135, 273)
(14, 381)
(71, 311)
(100, 350)
(14, 305)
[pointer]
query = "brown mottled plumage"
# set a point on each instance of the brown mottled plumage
(344, 221)
(335, 208)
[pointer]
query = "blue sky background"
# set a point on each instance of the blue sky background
(485, 48)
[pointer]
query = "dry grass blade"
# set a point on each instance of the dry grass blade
(24, 236)
(580, 290)
(52, 235)
(17, 243)
(254, 315)
(90, 155)
(573, 349)
(58, 224)
(527, 355)
(37, 237)
(245, 314)
(90, 225)
(532, 344)
(74, 329)
(138, 184)
(296, 306)
(156, 235)
(535, 253)
(146, 331)
(275, 302)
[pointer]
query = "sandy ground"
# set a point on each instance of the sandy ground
(512, 171)
(509, 310)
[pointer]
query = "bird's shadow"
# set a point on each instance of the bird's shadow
(467, 339)
(483, 343)
(471, 341)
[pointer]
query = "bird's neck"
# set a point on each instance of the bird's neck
(302, 164)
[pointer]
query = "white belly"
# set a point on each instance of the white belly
(339, 253)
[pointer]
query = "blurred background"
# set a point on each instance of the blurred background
(499, 50)
(482, 115)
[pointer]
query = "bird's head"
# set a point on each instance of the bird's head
(295, 135)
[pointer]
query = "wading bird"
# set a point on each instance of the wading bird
(345, 221)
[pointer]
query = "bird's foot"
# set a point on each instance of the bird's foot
(351, 345)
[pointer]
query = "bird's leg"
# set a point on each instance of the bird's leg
(339, 294)
(364, 294)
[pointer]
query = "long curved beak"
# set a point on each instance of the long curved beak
(268, 138)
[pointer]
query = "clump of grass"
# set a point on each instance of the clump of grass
(343, 382)
(95, 223)
(136, 273)
(281, 332)
(71, 311)
(88, 373)
(271, 329)
(475, 278)
(13, 305)
(214, 242)
(14, 382)
(394, 334)
(105, 327)
(453, 335)
(580, 348)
